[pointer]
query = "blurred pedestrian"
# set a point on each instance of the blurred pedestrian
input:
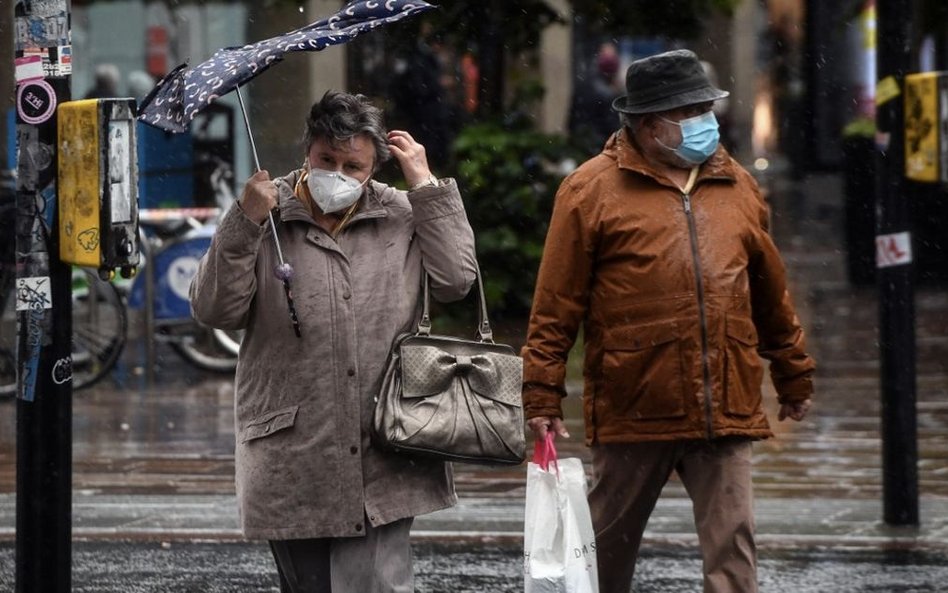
(421, 101)
(660, 247)
(107, 79)
(335, 508)
(139, 84)
(591, 118)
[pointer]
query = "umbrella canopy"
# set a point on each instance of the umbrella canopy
(184, 91)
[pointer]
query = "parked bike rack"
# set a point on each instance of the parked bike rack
(158, 215)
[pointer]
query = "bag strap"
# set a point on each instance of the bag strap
(544, 453)
(484, 331)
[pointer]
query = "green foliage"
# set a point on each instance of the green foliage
(680, 19)
(861, 127)
(508, 174)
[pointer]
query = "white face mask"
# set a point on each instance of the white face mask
(333, 191)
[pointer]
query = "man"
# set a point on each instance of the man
(659, 246)
(591, 118)
(106, 82)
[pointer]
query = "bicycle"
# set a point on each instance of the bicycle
(176, 242)
(175, 251)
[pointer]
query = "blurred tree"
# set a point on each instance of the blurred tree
(494, 30)
(680, 19)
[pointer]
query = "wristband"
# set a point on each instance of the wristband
(431, 181)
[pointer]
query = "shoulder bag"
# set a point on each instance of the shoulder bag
(450, 398)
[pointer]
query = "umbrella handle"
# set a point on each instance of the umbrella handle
(284, 270)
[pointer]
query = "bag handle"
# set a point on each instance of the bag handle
(483, 323)
(544, 453)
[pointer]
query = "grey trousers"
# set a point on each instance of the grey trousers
(627, 481)
(379, 562)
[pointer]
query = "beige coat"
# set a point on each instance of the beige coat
(305, 465)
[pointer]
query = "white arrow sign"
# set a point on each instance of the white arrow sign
(893, 250)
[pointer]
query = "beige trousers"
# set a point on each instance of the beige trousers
(627, 481)
(379, 562)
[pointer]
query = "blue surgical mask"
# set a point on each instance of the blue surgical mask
(699, 138)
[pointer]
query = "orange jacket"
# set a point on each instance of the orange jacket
(677, 294)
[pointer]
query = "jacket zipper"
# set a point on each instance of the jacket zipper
(699, 281)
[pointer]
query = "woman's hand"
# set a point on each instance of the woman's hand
(259, 197)
(411, 157)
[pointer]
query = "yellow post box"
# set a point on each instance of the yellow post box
(926, 127)
(98, 185)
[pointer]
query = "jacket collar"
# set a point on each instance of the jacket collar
(291, 208)
(620, 148)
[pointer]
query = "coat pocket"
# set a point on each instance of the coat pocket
(642, 372)
(743, 370)
(268, 424)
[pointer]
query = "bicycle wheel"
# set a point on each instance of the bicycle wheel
(229, 339)
(7, 338)
(201, 346)
(99, 328)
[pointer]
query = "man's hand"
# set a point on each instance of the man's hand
(795, 411)
(259, 197)
(540, 425)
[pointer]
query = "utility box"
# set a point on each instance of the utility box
(98, 185)
(926, 127)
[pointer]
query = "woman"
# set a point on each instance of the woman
(336, 509)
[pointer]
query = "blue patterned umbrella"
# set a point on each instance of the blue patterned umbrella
(184, 91)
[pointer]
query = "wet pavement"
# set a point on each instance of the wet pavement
(153, 466)
(105, 567)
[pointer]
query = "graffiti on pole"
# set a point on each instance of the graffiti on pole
(42, 64)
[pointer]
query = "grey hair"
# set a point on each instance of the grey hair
(632, 120)
(339, 117)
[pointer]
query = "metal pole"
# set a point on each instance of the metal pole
(44, 303)
(151, 355)
(896, 285)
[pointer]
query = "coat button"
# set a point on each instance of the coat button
(347, 295)
(353, 449)
(358, 527)
(351, 372)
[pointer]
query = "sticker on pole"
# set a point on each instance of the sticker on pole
(893, 250)
(33, 293)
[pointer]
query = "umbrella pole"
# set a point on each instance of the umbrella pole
(253, 145)
(284, 271)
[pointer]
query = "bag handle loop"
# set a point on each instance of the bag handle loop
(544, 453)
(484, 331)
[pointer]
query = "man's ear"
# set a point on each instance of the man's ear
(647, 122)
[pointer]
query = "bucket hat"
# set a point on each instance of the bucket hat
(666, 81)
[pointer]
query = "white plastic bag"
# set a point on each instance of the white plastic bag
(559, 545)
